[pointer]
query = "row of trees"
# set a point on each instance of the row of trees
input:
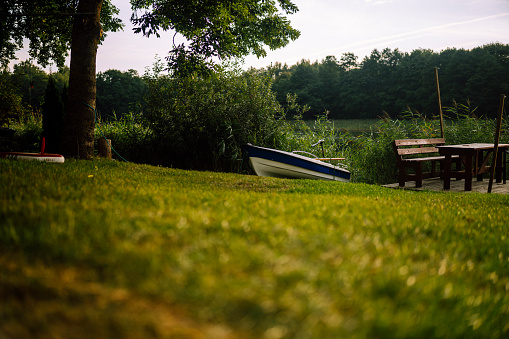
(391, 80)
(30, 82)
(118, 92)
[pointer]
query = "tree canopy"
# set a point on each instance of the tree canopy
(216, 28)
(47, 25)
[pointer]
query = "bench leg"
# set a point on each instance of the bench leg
(401, 175)
(433, 166)
(401, 179)
(418, 175)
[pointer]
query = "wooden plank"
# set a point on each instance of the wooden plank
(425, 159)
(420, 150)
(419, 142)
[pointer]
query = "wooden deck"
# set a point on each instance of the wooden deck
(436, 184)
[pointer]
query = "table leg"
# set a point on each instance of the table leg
(468, 173)
(479, 164)
(447, 171)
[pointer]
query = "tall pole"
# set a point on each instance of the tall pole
(439, 104)
(30, 84)
(497, 137)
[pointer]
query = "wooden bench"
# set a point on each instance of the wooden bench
(409, 156)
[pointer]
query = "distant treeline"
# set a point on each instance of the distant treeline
(119, 93)
(391, 81)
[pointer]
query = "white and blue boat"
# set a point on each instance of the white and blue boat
(268, 162)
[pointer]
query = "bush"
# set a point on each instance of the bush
(201, 123)
(28, 133)
(131, 138)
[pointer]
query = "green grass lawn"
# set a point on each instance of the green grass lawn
(92, 249)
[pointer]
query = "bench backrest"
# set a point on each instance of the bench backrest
(416, 146)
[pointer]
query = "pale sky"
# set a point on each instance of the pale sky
(334, 27)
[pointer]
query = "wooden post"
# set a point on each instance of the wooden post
(104, 146)
(439, 104)
(497, 138)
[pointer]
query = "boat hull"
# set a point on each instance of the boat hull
(47, 157)
(269, 162)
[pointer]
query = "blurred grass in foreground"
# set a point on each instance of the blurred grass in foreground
(109, 249)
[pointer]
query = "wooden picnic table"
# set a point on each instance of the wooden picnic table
(475, 158)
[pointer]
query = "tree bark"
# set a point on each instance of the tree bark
(78, 133)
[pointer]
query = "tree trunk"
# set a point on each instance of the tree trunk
(78, 133)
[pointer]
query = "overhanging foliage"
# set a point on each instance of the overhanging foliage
(216, 29)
